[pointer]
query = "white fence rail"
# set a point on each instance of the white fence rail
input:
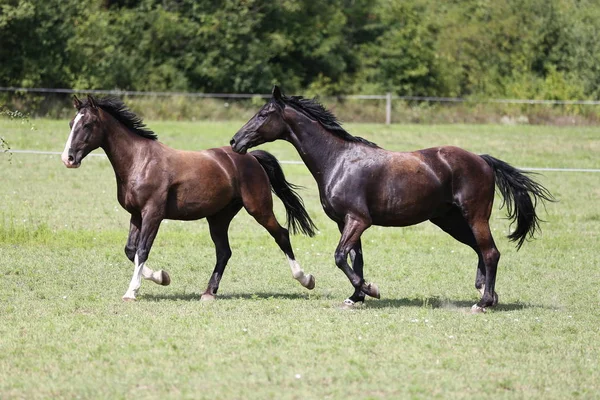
(388, 97)
(57, 153)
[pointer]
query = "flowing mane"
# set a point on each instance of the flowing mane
(315, 110)
(123, 114)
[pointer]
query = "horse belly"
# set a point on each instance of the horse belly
(409, 204)
(199, 198)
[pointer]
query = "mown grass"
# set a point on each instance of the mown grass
(65, 333)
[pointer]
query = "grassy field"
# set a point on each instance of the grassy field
(65, 333)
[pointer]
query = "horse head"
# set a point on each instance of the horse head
(266, 125)
(86, 133)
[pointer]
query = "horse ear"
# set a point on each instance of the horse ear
(76, 102)
(276, 93)
(92, 101)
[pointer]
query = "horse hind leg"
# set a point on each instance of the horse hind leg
(488, 262)
(457, 226)
(266, 218)
(219, 228)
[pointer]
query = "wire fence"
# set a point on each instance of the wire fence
(387, 107)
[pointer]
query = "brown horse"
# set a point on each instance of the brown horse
(361, 184)
(155, 182)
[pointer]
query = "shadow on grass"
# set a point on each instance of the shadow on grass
(233, 296)
(427, 302)
(436, 302)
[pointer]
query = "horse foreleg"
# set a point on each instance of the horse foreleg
(356, 257)
(160, 277)
(149, 228)
(353, 229)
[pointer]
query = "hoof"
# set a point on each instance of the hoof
(165, 279)
(348, 305)
(371, 289)
(311, 282)
(207, 297)
(128, 299)
(477, 309)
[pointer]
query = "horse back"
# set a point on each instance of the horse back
(411, 187)
(468, 176)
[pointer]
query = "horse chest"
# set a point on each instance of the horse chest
(335, 201)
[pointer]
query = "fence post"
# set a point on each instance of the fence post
(388, 108)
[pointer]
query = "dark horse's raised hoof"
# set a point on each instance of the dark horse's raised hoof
(371, 289)
(165, 279)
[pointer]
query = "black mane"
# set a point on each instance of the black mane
(315, 110)
(123, 114)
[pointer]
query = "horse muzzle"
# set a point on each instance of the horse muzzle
(71, 160)
(239, 146)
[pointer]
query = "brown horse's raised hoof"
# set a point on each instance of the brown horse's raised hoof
(371, 289)
(165, 279)
(311, 282)
(477, 309)
(207, 297)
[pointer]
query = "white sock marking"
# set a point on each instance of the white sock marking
(136, 279)
(298, 273)
(154, 276)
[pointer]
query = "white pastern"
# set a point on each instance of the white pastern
(154, 276)
(136, 280)
(65, 153)
(298, 273)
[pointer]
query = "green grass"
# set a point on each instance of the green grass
(65, 333)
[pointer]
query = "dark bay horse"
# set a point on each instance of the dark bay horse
(155, 182)
(361, 184)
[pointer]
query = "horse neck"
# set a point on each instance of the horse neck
(122, 147)
(319, 149)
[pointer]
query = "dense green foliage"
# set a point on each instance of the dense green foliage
(516, 48)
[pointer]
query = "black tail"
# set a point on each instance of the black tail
(516, 187)
(298, 219)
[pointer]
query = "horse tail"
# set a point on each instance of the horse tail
(298, 219)
(520, 194)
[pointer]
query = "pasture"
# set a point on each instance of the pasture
(65, 333)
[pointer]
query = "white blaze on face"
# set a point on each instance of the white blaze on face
(65, 154)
